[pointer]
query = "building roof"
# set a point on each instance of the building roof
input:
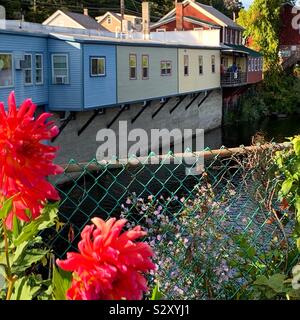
(219, 15)
(202, 22)
(84, 20)
(239, 48)
(117, 16)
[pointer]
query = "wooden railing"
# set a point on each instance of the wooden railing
(231, 79)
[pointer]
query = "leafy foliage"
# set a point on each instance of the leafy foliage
(288, 162)
(262, 23)
(26, 255)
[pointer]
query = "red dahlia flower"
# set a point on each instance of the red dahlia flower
(25, 162)
(110, 265)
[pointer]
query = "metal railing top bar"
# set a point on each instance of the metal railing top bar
(138, 161)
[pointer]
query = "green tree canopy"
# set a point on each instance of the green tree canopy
(262, 24)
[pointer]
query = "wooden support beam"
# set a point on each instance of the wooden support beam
(204, 98)
(90, 120)
(160, 108)
(140, 112)
(64, 124)
(192, 101)
(178, 103)
(123, 108)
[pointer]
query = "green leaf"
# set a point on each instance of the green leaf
(286, 186)
(298, 244)
(5, 210)
(46, 220)
(296, 143)
(27, 258)
(61, 283)
(16, 226)
(23, 290)
(156, 294)
(297, 206)
(261, 281)
(276, 282)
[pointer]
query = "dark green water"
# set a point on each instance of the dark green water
(273, 129)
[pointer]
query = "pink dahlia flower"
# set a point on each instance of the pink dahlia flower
(25, 161)
(109, 265)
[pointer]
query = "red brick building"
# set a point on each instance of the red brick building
(192, 15)
(289, 39)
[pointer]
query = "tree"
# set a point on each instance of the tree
(262, 23)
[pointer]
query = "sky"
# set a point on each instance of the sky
(247, 3)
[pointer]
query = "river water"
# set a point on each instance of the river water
(273, 129)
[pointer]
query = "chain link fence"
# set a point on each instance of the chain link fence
(212, 233)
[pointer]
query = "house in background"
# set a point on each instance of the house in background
(289, 41)
(73, 20)
(112, 22)
(192, 15)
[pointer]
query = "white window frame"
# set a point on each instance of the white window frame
(213, 63)
(12, 70)
(52, 67)
(91, 66)
(186, 64)
(249, 66)
(161, 30)
(109, 19)
(41, 68)
(168, 71)
(201, 59)
(27, 69)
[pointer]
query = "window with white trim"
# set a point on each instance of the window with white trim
(145, 67)
(213, 63)
(27, 69)
(108, 19)
(97, 66)
(6, 70)
(132, 66)
(186, 65)
(165, 68)
(39, 79)
(249, 64)
(200, 65)
(60, 68)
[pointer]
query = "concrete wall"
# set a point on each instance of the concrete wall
(153, 87)
(83, 148)
(195, 81)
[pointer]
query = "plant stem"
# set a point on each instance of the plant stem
(11, 280)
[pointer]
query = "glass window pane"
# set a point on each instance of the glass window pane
(38, 61)
(145, 61)
(132, 73)
(132, 60)
(6, 75)
(60, 61)
(27, 59)
(38, 75)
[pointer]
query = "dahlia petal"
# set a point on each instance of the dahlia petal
(12, 108)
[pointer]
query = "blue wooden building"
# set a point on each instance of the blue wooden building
(77, 72)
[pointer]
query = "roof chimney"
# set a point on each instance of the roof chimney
(86, 11)
(179, 16)
(146, 19)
